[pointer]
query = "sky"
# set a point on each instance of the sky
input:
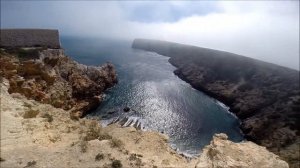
(265, 30)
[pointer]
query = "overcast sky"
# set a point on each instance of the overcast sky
(266, 30)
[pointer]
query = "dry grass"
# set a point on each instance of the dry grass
(93, 132)
(31, 163)
(104, 136)
(116, 143)
(48, 116)
(116, 164)
(30, 113)
(83, 146)
(136, 159)
(99, 157)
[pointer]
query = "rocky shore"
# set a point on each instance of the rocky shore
(264, 96)
(49, 76)
(39, 91)
(49, 138)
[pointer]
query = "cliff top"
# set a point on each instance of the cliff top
(263, 95)
(59, 141)
(206, 56)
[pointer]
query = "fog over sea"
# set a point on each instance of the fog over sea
(158, 99)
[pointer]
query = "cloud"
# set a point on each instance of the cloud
(266, 30)
(261, 30)
(165, 11)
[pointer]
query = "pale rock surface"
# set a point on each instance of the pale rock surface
(224, 153)
(36, 142)
(264, 96)
(49, 76)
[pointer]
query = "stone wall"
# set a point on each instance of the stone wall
(29, 38)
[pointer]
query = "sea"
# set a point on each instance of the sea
(158, 99)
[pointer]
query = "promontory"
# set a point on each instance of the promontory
(45, 96)
(264, 96)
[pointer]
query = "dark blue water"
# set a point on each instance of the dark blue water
(159, 100)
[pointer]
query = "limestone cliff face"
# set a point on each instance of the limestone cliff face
(263, 95)
(224, 153)
(38, 89)
(51, 77)
(34, 134)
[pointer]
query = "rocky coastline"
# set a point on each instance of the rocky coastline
(264, 96)
(44, 94)
(50, 138)
(51, 77)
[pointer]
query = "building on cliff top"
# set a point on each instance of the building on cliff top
(11, 38)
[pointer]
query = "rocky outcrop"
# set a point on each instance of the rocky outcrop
(224, 153)
(38, 135)
(53, 78)
(263, 95)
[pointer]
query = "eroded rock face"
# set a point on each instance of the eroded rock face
(265, 96)
(224, 153)
(56, 79)
(50, 137)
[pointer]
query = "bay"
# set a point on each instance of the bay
(158, 99)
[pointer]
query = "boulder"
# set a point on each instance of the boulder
(126, 109)
(224, 153)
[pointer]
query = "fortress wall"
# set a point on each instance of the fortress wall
(29, 38)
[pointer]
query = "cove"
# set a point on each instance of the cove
(158, 99)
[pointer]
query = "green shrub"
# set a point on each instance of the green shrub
(30, 52)
(116, 164)
(24, 54)
(48, 116)
(31, 163)
(99, 156)
(93, 132)
(103, 136)
(27, 105)
(83, 146)
(116, 143)
(30, 113)
(134, 157)
(2, 51)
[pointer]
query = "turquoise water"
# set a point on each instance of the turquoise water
(158, 99)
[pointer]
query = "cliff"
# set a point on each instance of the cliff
(264, 96)
(39, 135)
(29, 38)
(224, 153)
(49, 76)
(40, 88)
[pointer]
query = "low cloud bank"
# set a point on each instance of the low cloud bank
(264, 30)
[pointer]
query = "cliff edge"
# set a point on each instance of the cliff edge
(39, 135)
(49, 76)
(40, 88)
(264, 96)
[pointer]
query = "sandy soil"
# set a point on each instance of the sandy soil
(39, 135)
(36, 142)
